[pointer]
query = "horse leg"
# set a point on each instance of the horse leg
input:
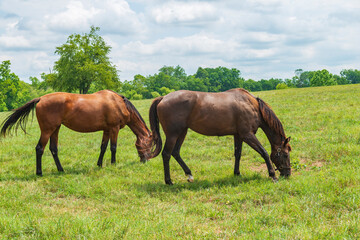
(113, 144)
(166, 155)
(54, 150)
(104, 144)
(176, 155)
(44, 138)
(253, 142)
(237, 153)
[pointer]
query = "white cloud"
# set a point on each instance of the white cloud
(262, 38)
(198, 44)
(184, 12)
(14, 42)
(41, 61)
(112, 16)
(75, 17)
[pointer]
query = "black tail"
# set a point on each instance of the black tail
(154, 125)
(18, 118)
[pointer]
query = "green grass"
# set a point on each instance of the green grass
(321, 200)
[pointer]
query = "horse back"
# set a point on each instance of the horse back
(83, 112)
(213, 114)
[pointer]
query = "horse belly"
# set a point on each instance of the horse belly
(84, 124)
(85, 120)
(214, 127)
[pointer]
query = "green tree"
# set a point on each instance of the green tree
(269, 84)
(139, 85)
(157, 81)
(352, 76)
(341, 80)
(177, 76)
(84, 62)
(195, 84)
(220, 78)
(301, 79)
(136, 86)
(164, 91)
(282, 86)
(321, 78)
(13, 91)
(252, 85)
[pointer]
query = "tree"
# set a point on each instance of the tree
(164, 91)
(353, 76)
(321, 78)
(282, 86)
(84, 62)
(157, 81)
(301, 78)
(13, 92)
(220, 78)
(341, 80)
(252, 85)
(195, 84)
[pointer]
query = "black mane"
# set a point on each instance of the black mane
(270, 118)
(132, 108)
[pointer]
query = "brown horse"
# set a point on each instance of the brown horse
(104, 111)
(235, 112)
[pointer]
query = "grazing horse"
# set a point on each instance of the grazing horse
(104, 111)
(234, 112)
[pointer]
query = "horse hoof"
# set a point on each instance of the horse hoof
(190, 178)
(169, 182)
(39, 174)
(275, 180)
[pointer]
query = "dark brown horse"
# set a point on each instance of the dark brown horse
(235, 112)
(104, 111)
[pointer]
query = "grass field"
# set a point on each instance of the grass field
(321, 200)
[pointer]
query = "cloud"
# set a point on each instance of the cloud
(261, 38)
(198, 44)
(194, 13)
(116, 17)
(14, 42)
(75, 17)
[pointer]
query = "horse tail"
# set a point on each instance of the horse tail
(18, 118)
(154, 125)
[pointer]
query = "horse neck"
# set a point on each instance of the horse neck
(138, 127)
(273, 136)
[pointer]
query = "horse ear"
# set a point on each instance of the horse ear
(287, 141)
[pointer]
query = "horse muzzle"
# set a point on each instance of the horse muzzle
(144, 160)
(285, 172)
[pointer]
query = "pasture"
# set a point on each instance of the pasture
(130, 200)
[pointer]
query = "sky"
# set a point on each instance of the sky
(261, 38)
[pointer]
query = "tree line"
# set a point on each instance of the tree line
(15, 92)
(219, 79)
(84, 66)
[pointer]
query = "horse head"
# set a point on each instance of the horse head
(280, 156)
(144, 146)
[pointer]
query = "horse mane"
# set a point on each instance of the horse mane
(270, 118)
(132, 109)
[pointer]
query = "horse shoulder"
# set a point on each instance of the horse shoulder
(120, 110)
(246, 111)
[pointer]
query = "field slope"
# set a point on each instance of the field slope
(130, 200)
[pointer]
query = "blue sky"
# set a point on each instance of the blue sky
(261, 38)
